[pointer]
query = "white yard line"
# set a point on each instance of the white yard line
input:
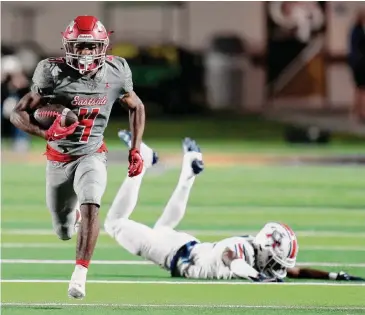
(142, 262)
(53, 245)
(199, 306)
(115, 246)
(199, 232)
(71, 262)
(206, 282)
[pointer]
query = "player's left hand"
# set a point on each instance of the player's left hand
(135, 163)
(343, 276)
(263, 278)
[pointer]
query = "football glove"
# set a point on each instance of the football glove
(135, 163)
(57, 132)
(263, 278)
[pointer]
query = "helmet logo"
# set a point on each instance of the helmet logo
(276, 237)
(70, 27)
(85, 36)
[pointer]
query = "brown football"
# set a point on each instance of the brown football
(46, 115)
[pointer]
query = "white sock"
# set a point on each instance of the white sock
(176, 206)
(79, 273)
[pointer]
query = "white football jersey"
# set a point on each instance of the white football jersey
(206, 259)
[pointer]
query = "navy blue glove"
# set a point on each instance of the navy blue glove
(263, 278)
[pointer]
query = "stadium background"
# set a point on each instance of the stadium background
(269, 107)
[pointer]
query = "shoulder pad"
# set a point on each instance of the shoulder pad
(116, 61)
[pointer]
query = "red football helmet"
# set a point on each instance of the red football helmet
(85, 41)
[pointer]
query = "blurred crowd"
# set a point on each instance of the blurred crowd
(17, 66)
(293, 19)
(357, 65)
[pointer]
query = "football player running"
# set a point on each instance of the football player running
(88, 82)
(270, 256)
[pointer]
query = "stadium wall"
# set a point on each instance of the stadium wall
(205, 20)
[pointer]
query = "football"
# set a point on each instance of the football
(46, 115)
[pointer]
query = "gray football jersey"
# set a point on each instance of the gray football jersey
(90, 98)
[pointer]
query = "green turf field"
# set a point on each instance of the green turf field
(323, 204)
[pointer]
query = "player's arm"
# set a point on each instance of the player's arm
(241, 268)
(21, 117)
(309, 273)
(135, 107)
(136, 117)
(136, 120)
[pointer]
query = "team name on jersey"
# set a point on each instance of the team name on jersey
(89, 101)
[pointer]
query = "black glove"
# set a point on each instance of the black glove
(263, 278)
(343, 276)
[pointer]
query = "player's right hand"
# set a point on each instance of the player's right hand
(57, 132)
(135, 163)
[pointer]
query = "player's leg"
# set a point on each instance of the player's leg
(89, 184)
(135, 237)
(156, 245)
(117, 224)
(169, 239)
(192, 165)
(61, 199)
(127, 196)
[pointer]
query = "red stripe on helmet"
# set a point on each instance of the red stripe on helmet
(289, 229)
(294, 248)
(293, 243)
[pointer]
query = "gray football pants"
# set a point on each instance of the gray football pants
(71, 184)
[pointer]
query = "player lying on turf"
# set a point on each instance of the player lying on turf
(270, 256)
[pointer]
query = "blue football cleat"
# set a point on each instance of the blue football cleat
(190, 145)
(125, 136)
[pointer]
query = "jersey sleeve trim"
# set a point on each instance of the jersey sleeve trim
(239, 251)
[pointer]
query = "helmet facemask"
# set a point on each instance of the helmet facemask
(85, 55)
(276, 267)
